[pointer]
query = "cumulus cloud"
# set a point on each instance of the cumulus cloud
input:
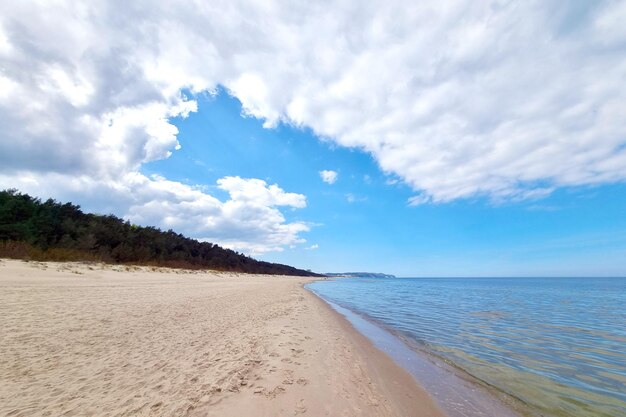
(87, 93)
(329, 177)
(501, 99)
(242, 222)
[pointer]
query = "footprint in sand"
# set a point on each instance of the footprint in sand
(301, 408)
(276, 391)
(296, 352)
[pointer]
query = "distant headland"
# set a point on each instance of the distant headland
(358, 275)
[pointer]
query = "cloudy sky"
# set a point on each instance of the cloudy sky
(417, 138)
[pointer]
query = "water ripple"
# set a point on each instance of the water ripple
(557, 344)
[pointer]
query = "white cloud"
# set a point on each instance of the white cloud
(419, 199)
(351, 198)
(242, 222)
(502, 99)
(328, 176)
(312, 247)
(257, 192)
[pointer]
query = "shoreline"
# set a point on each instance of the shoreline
(104, 340)
(456, 392)
(397, 382)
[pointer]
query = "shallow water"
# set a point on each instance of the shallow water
(556, 344)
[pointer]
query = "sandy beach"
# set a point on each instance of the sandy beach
(96, 340)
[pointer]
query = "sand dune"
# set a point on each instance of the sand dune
(95, 340)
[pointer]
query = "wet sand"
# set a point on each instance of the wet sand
(456, 392)
(82, 339)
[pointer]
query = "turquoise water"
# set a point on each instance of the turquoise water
(556, 344)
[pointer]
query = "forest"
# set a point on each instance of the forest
(54, 231)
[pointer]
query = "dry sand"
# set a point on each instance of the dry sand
(95, 340)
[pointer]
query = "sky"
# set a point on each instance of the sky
(443, 138)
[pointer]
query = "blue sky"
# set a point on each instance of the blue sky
(464, 138)
(363, 222)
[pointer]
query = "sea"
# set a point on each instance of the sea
(553, 347)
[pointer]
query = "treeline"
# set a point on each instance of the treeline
(32, 229)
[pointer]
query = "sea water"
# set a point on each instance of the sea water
(558, 345)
